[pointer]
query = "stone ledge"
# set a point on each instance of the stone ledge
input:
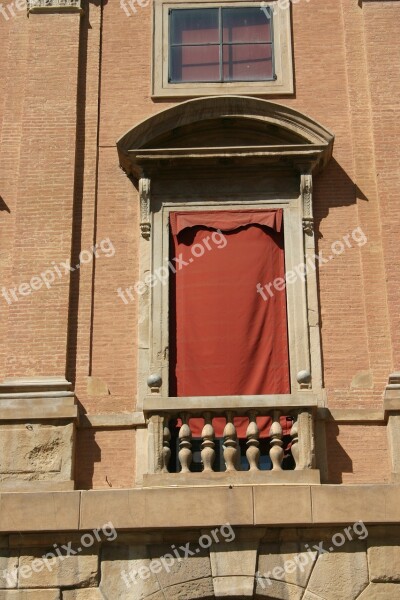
(147, 509)
(162, 405)
(26, 387)
(21, 485)
(38, 413)
(112, 420)
(37, 398)
(173, 480)
(46, 511)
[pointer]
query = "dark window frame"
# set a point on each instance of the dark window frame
(221, 45)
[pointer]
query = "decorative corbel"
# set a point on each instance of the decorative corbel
(306, 197)
(144, 193)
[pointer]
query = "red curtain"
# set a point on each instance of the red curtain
(226, 339)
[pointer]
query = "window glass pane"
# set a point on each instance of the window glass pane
(245, 25)
(195, 63)
(250, 62)
(196, 26)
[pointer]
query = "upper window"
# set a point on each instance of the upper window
(220, 44)
(226, 47)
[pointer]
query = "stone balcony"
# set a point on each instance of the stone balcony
(195, 441)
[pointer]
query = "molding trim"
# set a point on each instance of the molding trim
(54, 6)
(37, 398)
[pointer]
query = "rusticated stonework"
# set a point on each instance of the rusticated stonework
(253, 565)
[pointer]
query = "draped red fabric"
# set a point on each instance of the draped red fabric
(226, 339)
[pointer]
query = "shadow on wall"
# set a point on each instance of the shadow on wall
(339, 461)
(3, 205)
(332, 188)
(87, 453)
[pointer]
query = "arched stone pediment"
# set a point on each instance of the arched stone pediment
(205, 130)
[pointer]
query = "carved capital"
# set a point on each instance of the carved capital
(308, 225)
(144, 193)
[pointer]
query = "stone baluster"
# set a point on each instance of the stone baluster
(295, 449)
(207, 445)
(276, 451)
(166, 450)
(253, 445)
(185, 445)
(230, 444)
(306, 439)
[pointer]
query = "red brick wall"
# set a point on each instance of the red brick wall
(38, 141)
(105, 458)
(357, 453)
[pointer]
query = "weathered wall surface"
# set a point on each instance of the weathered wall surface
(312, 564)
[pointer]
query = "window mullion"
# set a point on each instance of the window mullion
(220, 45)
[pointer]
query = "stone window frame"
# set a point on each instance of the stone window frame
(283, 84)
(147, 157)
(302, 313)
(156, 305)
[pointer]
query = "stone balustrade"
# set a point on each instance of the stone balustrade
(193, 428)
(231, 446)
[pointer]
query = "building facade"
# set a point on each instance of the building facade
(200, 387)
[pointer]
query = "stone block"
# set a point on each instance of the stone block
(351, 503)
(157, 508)
(47, 511)
(269, 509)
(380, 591)
(235, 558)
(191, 590)
(38, 594)
(226, 587)
(126, 574)
(311, 596)
(8, 568)
(287, 562)
(36, 452)
(178, 571)
(78, 570)
(83, 594)
(340, 574)
(279, 590)
(384, 563)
